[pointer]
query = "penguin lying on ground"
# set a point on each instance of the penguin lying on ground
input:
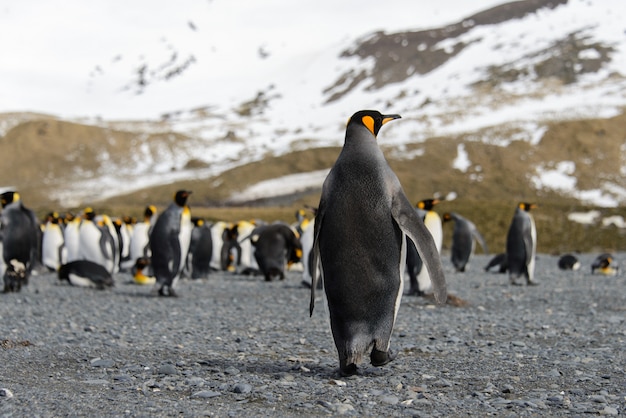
(569, 262)
(605, 264)
(464, 237)
(359, 247)
(169, 242)
(521, 245)
(85, 273)
(142, 274)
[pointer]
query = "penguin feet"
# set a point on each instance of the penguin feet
(347, 370)
(380, 358)
(170, 292)
(532, 283)
(415, 292)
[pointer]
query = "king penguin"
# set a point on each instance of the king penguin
(85, 273)
(139, 241)
(464, 237)
(605, 264)
(53, 251)
(521, 244)
(20, 235)
(419, 279)
(359, 246)
(169, 242)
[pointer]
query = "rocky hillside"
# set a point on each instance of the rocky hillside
(524, 101)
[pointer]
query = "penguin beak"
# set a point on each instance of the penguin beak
(389, 118)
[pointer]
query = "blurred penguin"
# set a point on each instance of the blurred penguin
(569, 262)
(276, 245)
(247, 263)
(139, 241)
(125, 227)
(521, 245)
(142, 272)
(200, 250)
(85, 273)
(53, 251)
(20, 238)
(464, 238)
(169, 242)
(220, 234)
(499, 260)
(97, 241)
(419, 278)
(307, 226)
(605, 264)
(71, 236)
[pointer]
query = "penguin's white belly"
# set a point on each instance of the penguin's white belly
(80, 281)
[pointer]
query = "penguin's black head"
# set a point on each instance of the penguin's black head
(527, 206)
(427, 204)
(446, 217)
(89, 214)
(373, 120)
(9, 197)
(150, 210)
(181, 197)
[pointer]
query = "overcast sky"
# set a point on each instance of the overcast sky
(76, 58)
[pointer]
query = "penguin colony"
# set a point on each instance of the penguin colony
(90, 249)
(357, 246)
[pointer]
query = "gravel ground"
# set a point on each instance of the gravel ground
(233, 345)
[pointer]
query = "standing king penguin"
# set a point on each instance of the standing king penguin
(20, 236)
(521, 244)
(419, 279)
(464, 237)
(360, 246)
(169, 242)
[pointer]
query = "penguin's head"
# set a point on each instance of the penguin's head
(373, 120)
(427, 204)
(446, 217)
(89, 214)
(54, 217)
(150, 210)
(527, 206)
(9, 197)
(181, 197)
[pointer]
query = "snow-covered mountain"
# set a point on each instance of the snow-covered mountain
(500, 76)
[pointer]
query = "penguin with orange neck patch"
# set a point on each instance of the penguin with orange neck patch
(359, 246)
(169, 242)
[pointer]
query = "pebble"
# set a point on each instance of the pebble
(242, 388)
(168, 369)
(5, 394)
(205, 394)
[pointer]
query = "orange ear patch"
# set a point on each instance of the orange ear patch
(368, 121)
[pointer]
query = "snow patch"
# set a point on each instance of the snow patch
(461, 162)
(560, 178)
(585, 218)
(281, 186)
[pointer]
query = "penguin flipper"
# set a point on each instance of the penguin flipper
(409, 222)
(528, 242)
(478, 237)
(316, 255)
